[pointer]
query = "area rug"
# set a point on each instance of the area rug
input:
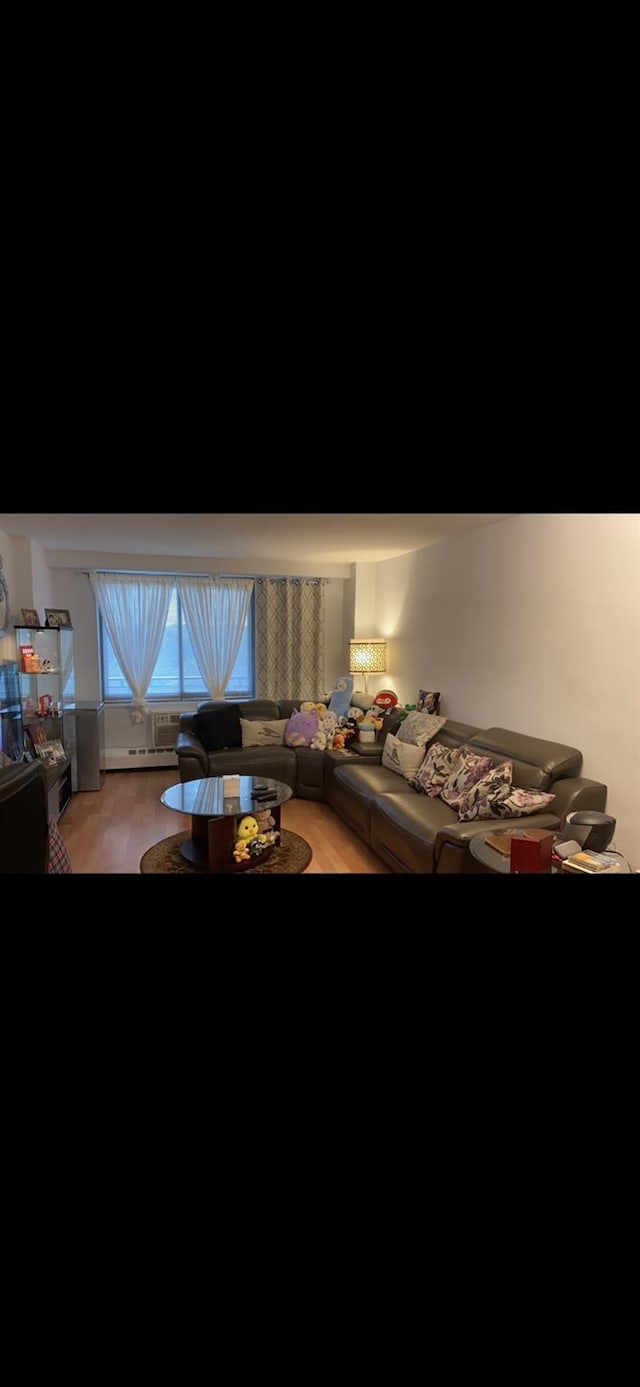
(292, 854)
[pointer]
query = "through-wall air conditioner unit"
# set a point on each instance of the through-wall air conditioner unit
(165, 730)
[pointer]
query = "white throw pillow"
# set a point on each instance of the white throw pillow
(402, 757)
(256, 732)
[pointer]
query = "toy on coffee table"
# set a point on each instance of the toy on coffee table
(254, 835)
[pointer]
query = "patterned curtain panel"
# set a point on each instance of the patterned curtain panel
(289, 637)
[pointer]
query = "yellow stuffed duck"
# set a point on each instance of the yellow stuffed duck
(246, 830)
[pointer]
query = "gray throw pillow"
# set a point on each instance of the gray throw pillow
(420, 728)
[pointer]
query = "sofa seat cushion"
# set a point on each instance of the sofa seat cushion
(404, 829)
(351, 791)
(274, 762)
(536, 763)
(365, 781)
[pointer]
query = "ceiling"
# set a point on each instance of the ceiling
(310, 537)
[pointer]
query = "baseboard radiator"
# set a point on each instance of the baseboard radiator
(123, 758)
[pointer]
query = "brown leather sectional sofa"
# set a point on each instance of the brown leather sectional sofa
(407, 830)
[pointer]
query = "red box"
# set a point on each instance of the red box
(529, 854)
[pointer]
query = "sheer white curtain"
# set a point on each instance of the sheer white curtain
(134, 610)
(215, 610)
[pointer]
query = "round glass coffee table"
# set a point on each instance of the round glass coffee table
(214, 814)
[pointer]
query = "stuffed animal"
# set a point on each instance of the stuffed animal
(247, 829)
(265, 820)
(247, 833)
(327, 727)
(340, 700)
(301, 729)
(385, 700)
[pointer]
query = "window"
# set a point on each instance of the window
(176, 674)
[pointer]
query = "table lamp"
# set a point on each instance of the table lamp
(368, 657)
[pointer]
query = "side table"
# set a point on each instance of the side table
(494, 861)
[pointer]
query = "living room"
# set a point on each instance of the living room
(529, 622)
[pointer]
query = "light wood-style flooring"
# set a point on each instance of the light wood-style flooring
(109, 830)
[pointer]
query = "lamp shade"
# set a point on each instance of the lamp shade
(368, 656)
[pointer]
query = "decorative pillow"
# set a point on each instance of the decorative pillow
(258, 733)
(521, 802)
(340, 701)
(219, 727)
(428, 702)
(496, 798)
(301, 729)
(435, 769)
(420, 728)
(480, 800)
(404, 758)
(59, 860)
(465, 773)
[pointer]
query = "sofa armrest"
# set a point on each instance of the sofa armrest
(368, 753)
(192, 757)
(454, 839)
(577, 793)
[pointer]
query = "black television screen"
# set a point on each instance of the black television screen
(11, 735)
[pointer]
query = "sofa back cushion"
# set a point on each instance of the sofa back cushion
(536, 763)
(457, 733)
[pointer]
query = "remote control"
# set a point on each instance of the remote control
(264, 794)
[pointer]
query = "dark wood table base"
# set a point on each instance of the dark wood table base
(212, 840)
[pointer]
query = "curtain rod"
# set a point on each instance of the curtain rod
(166, 573)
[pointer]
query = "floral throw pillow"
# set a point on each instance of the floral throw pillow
(466, 772)
(480, 799)
(420, 728)
(435, 769)
(496, 798)
(526, 801)
(520, 802)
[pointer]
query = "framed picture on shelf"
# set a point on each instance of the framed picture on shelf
(30, 616)
(57, 617)
(51, 752)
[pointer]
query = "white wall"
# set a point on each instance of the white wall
(41, 587)
(531, 624)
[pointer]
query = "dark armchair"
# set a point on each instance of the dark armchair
(24, 833)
